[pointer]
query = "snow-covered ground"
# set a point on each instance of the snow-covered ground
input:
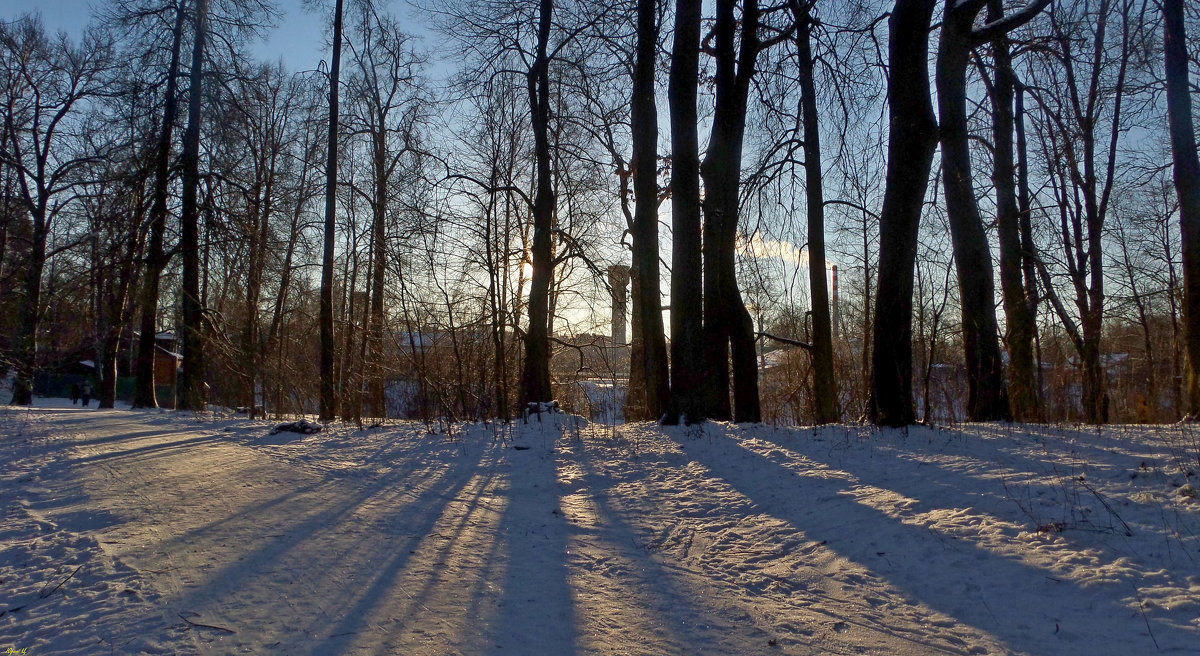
(127, 532)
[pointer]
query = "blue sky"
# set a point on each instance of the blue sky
(298, 39)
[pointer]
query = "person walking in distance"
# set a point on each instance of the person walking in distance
(85, 392)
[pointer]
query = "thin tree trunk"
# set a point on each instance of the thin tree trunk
(328, 408)
(911, 143)
(824, 381)
(250, 330)
(192, 393)
(118, 312)
(373, 369)
(1019, 327)
(1143, 314)
(1028, 264)
(1187, 186)
(496, 252)
(347, 317)
(156, 259)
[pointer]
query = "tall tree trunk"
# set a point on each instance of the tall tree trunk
(687, 299)
(987, 395)
(496, 253)
(328, 407)
(258, 224)
(1187, 185)
(824, 381)
(372, 367)
(1019, 325)
(648, 331)
(912, 140)
(156, 259)
(347, 375)
(1028, 258)
(113, 307)
(26, 338)
(192, 393)
(535, 374)
(728, 327)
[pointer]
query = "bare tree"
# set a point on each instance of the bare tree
(687, 295)
(192, 386)
(1187, 185)
(535, 372)
(913, 138)
(387, 107)
(1010, 216)
(46, 83)
(728, 326)
(155, 256)
(987, 394)
(824, 381)
(1083, 87)
(651, 360)
(328, 384)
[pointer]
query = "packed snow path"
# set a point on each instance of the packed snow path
(131, 532)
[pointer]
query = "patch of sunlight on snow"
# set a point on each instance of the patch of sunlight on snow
(458, 563)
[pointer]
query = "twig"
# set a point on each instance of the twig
(786, 340)
(44, 593)
(204, 626)
(1142, 607)
(1104, 502)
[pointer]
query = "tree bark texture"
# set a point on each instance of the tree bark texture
(192, 394)
(1019, 320)
(824, 381)
(687, 297)
(649, 332)
(156, 258)
(728, 327)
(912, 140)
(535, 374)
(1187, 186)
(328, 404)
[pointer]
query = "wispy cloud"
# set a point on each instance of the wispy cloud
(760, 248)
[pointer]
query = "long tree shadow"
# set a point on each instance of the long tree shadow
(991, 477)
(1104, 448)
(535, 612)
(488, 573)
(331, 548)
(408, 570)
(996, 473)
(336, 555)
(158, 448)
(827, 511)
(667, 606)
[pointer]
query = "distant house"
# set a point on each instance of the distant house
(167, 362)
(166, 359)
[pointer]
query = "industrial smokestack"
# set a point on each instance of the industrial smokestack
(618, 279)
(835, 303)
